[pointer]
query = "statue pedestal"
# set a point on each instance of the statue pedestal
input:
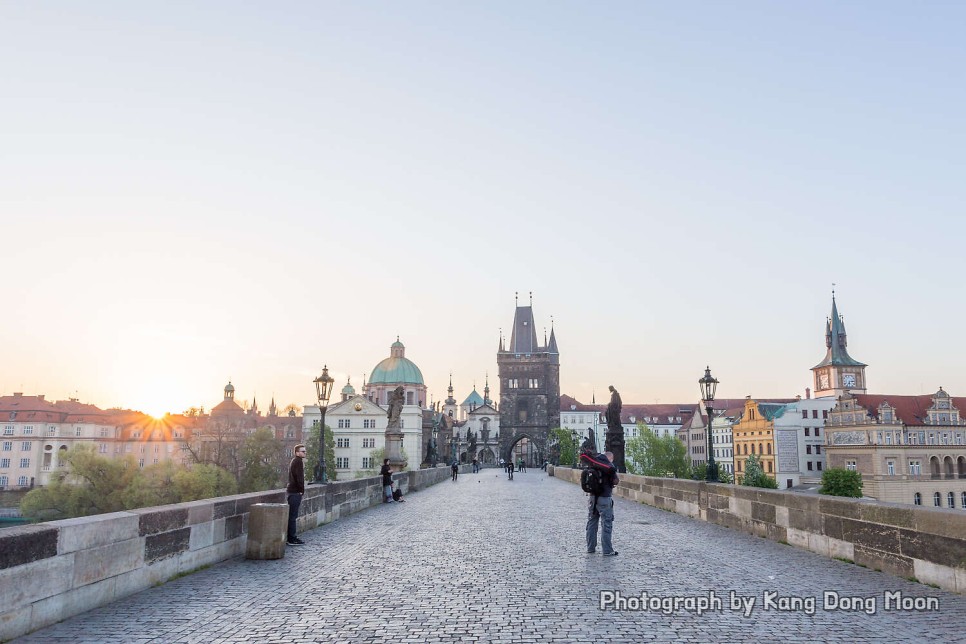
(394, 442)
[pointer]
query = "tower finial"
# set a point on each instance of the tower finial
(531, 298)
(516, 298)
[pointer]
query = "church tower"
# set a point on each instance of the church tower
(449, 405)
(529, 388)
(838, 372)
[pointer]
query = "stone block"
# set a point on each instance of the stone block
(871, 535)
(960, 580)
(267, 525)
(202, 535)
(23, 544)
(740, 507)
(90, 532)
(931, 573)
(808, 503)
(166, 544)
(890, 562)
(940, 521)
(946, 551)
(832, 527)
(759, 528)
(223, 509)
(218, 530)
(234, 527)
(839, 507)
(200, 512)
(763, 512)
(797, 538)
(36, 580)
(155, 520)
(818, 543)
(781, 516)
(73, 602)
(144, 577)
(95, 564)
(891, 514)
(719, 501)
(807, 521)
(841, 549)
(14, 623)
(776, 532)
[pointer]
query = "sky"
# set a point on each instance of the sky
(192, 192)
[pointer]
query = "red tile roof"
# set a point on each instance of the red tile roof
(911, 410)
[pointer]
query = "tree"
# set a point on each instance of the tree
(755, 476)
(648, 454)
(563, 447)
(153, 485)
(312, 453)
(261, 454)
(376, 457)
(838, 481)
(724, 476)
(204, 482)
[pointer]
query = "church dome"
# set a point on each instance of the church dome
(229, 387)
(349, 390)
(473, 399)
(397, 368)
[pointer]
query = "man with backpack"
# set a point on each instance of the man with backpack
(598, 479)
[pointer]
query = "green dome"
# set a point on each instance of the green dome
(395, 370)
(473, 399)
(349, 390)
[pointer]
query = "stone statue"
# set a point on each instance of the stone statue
(613, 413)
(395, 408)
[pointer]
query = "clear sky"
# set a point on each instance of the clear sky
(196, 191)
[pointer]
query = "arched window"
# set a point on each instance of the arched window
(761, 448)
(769, 449)
(752, 448)
(962, 500)
(917, 498)
(951, 501)
(937, 500)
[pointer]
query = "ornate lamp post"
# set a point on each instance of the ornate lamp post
(323, 390)
(708, 386)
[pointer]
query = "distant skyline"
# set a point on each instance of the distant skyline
(196, 193)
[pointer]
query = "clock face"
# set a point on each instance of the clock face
(823, 381)
(848, 380)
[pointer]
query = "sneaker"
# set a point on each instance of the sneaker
(296, 542)
(590, 552)
(610, 554)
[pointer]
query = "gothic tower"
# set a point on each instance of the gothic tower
(529, 388)
(838, 372)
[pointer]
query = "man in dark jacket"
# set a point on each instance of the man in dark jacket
(600, 509)
(386, 472)
(295, 490)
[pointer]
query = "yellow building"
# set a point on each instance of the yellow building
(754, 434)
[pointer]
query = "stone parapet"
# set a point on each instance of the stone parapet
(54, 570)
(928, 544)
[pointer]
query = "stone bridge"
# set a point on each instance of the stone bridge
(491, 560)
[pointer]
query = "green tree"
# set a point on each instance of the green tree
(261, 455)
(648, 454)
(563, 447)
(152, 485)
(92, 485)
(755, 476)
(312, 453)
(838, 481)
(376, 457)
(204, 482)
(724, 476)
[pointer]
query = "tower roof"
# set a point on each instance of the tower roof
(474, 398)
(523, 337)
(396, 369)
(835, 341)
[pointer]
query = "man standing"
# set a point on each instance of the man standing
(295, 490)
(386, 472)
(600, 507)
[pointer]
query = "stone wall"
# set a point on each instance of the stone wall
(51, 571)
(928, 544)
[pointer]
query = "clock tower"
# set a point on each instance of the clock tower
(838, 372)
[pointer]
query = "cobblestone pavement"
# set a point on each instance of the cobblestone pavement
(490, 560)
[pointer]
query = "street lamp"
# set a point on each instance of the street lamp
(323, 390)
(708, 385)
(573, 436)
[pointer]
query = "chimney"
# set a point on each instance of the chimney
(18, 394)
(808, 393)
(41, 396)
(798, 397)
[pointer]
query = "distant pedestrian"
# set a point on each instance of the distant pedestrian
(509, 470)
(600, 507)
(476, 466)
(545, 463)
(295, 491)
(386, 472)
(456, 470)
(523, 466)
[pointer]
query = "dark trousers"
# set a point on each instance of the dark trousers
(294, 501)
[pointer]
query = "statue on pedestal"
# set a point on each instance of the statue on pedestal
(394, 435)
(614, 441)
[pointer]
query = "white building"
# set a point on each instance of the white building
(800, 440)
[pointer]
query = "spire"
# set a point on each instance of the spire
(836, 341)
(272, 409)
(450, 388)
(523, 339)
(486, 390)
(552, 347)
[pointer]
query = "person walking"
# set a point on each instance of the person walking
(295, 491)
(456, 470)
(386, 472)
(600, 508)
(509, 470)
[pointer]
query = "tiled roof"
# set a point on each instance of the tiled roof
(639, 411)
(911, 410)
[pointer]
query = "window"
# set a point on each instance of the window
(808, 449)
(532, 383)
(962, 500)
(816, 432)
(951, 501)
(25, 446)
(888, 438)
(814, 413)
(8, 430)
(513, 383)
(348, 423)
(825, 414)
(28, 430)
(369, 442)
(4, 463)
(809, 466)
(818, 465)
(3, 481)
(804, 413)
(51, 430)
(341, 424)
(891, 466)
(937, 500)
(341, 463)
(77, 431)
(22, 481)
(366, 462)
(917, 498)
(25, 462)
(7, 446)
(818, 449)
(807, 430)
(140, 462)
(342, 442)
(103, 432)
(915, 468)
(850, 465)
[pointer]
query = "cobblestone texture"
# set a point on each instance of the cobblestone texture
(491, 560)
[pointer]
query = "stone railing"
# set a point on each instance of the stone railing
(51, 571)
(928, 544)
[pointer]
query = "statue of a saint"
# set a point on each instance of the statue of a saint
(395, 408)
(613, 413)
